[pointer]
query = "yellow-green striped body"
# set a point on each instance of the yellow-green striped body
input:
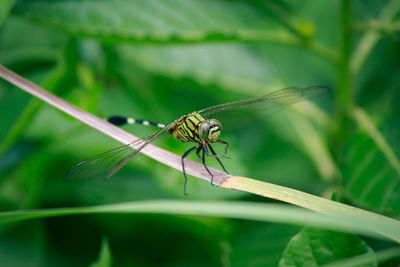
(186, 128)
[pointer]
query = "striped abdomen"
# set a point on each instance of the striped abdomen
(120, 120)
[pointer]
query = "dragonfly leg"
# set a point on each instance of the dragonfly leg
(225, 143)
(198, 149)
(214, 155)
(203, 160)
(219, 161)
(183, 167)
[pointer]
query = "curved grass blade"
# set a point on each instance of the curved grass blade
(271, 101)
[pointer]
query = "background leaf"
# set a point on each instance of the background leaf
(371, 170)
(158, 21)
(313, 247)
(374, 183)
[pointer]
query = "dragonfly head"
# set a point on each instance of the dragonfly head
(210, 130)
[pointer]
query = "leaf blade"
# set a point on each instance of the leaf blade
(164, 21)
(232, 209)
(314, 247)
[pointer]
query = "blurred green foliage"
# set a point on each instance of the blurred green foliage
(157, 60)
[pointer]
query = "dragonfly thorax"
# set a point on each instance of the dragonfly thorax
(209, 130)
(195, 128)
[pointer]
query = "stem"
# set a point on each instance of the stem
(322, 51)
(382, 27)
(344, 96)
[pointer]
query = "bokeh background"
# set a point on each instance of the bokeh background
(158, 60)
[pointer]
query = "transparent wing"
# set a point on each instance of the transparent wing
(269, 101)
(108, 163)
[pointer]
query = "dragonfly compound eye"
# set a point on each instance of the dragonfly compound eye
(204, 128)
(215, 130)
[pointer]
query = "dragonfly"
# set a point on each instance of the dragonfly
(200, 128)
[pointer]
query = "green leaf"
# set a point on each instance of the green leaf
(314, 247)
(368, 179)
(5, 6)
(240, 68)
(370, 169)
(163, 21)
(105, 257)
